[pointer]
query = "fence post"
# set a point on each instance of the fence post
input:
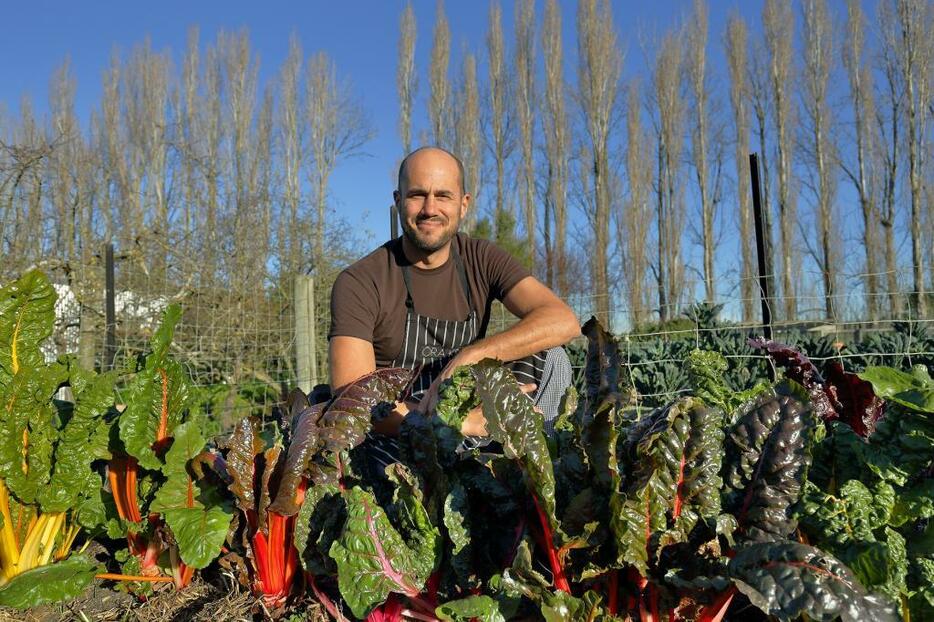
(110, 314)
(306, 362)
(394, 221)
(763, 252)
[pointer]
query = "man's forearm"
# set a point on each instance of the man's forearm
(541, 329)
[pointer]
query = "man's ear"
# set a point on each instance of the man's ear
(465, 204)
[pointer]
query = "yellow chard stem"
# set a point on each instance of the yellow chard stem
(30, 553)
(71, 532)
(9, 552)
(48, 539)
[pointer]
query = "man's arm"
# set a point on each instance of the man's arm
(545, 321)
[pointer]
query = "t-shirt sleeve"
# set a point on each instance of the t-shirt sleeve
(354, 305)
(503, 270)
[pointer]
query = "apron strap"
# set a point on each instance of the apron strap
(461, 273)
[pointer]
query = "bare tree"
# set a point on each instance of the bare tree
(915, 63)
(888, 122)
(669, 125)
(338, 128)
(864, 175)
(557, 143)
(760, 98)
(468, 133)
(598, 72)
(525, 104)
(635, 221)
(819, 148)
(502, 141)
(696, 74)
(291, 132)
(778, 24)
(406, 82)
(440, 105)
(736, 42)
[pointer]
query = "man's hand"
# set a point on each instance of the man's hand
(475, 423)
(467, 356)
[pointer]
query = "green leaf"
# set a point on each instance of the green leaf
(27, 317)
(915, 503)
(788, 579)
(512, 421)
(480, 607)
(159, 390)
(318, 524)
(457, 523)
(881, 566)
(914, 390)
(73, 480)
(562, 607)
(372, 558)
(54, 583)
(199, 532)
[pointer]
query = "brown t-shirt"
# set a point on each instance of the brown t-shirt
(368, 298)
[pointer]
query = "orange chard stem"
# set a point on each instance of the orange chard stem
(163, 431)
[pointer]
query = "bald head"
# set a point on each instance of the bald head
(430, 151)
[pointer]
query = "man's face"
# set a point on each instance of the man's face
(430, 201)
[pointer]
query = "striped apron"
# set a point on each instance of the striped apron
(430, 344)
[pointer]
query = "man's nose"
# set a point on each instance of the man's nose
(430, 205)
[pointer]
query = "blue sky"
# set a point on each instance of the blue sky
(361, 37)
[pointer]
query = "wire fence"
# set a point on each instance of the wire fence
(239, 343)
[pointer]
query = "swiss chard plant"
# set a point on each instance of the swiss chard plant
(166, 493)
(273, 475)
(49, 489)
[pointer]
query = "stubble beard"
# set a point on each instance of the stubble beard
(422, 243)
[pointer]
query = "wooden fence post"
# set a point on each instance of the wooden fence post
(306, 362)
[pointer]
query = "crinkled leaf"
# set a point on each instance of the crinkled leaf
(73, 479)
(27, 317)
(303, 445)
(707, 373)
(53, 583)
(318, 524)
(512, 421)
(372, 559)
(563, 607)
(788, 579)
(856, 403)
(478, 607)
(881, 566)
(674, 479)
(347, 418)
(767, 459)
(922, 601)
(198, 530)
(602, 369)
(457, 523)
(914, 390)
(408, 515)
(243, 447)
(915, 503)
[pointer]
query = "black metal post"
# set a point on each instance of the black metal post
(394, 221)
(110, 345)
(763, 252)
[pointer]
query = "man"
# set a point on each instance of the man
(423, 300)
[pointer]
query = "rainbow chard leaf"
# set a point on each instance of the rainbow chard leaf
(767, 459)
(27, 317)
(481, 608)
(199, 529)
(787, 579)
(674, 481)
(49, 584)
(602, 370)
(372, 558)
(157, 398)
